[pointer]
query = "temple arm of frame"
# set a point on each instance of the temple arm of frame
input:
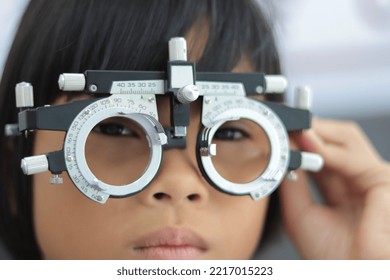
(306, 161)
(294, 119)
(56, 162)
(58, 117)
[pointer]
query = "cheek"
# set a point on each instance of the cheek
(241, 226)
(55, 217)
(67, 224)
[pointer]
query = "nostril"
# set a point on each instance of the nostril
(163, 196)
(193, 197)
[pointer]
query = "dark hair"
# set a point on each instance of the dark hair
(72, 36)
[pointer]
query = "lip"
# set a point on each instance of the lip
(170, 244)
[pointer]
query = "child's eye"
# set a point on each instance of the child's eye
(114, 129)
(230, 133)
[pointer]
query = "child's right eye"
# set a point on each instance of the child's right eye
(114, 129)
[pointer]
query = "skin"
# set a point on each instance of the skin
(70, 226)
(353, 220)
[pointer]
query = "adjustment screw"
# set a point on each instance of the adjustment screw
(259, 89)
(56, 179)
(93, 88)
(292, 176)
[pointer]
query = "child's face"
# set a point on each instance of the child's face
(178, 216)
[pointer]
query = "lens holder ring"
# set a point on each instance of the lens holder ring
(268, 120)
(76, 137)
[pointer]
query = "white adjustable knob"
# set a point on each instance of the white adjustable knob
(311, 162)
(187, 94)
(303, 98)
(11, 130)
(35, 164)
(71, 82)
(24, 95)
(177, 49)
(275, 84)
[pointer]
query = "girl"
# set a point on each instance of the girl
(179, 215)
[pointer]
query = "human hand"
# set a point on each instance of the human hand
(353, 222)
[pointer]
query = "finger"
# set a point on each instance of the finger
(344, 134)
(296, 199)
(310, 141)
(332, 152)
(302, 217)
(329, 183)
(333, 188)
(346, 160)
(324, 179)
(332, 131)
(344, 149)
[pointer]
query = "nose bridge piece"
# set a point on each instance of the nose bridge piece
(174, 141)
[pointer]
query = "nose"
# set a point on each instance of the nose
(178, 181)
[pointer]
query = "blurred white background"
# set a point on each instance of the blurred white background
(10, 13)
(340, 48)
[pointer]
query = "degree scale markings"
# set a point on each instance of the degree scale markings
(82, 125)
(219, 109)
(138, 87)
(220, 88)
(206, 88)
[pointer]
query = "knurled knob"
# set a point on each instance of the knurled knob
(71, 82)
(24, 95)
(303, 97)
(187, 94)
(275, 84)
(177, 49)
(34, 164)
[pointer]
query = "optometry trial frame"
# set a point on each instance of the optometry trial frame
(225, 98)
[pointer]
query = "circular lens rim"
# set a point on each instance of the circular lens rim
(76, 138)
(277, 135)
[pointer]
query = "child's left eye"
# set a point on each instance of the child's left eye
(230, 134)
(114, 129)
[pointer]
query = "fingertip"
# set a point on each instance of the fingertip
(309, 141)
